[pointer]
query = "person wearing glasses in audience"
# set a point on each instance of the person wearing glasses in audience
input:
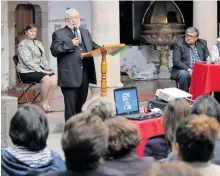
(186, 52)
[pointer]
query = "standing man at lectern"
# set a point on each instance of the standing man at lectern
(74, 74)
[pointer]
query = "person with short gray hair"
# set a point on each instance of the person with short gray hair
(99, 106)
(192, 30)
(186, 52)
(74, 73)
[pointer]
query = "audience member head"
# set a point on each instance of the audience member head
(206, 104)
(123, 137)
(191, 35)
(218, 40)
(72, 18)
(29, 128)
(195, 139)
(171, 169)
(174, 112)
(84, 142)
(30, 31)
(99, 106)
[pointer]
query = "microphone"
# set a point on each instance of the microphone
(75, 29)
(75, 32)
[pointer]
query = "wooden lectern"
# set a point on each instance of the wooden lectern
(106, 49)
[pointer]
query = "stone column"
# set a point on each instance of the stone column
(4, 47)
(106, 30)
(205, 20)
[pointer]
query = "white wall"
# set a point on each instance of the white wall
(4, 47)
(56, 10)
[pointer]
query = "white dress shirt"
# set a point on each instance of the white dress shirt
(215, 53)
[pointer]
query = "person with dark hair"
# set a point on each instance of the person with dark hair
(186, 52)
(29, 156)
(208, 105)
(33, 66)
(171, 169)
(160, 146)
(121, 152)
(195, 143)
(205, 104)
(84, 142)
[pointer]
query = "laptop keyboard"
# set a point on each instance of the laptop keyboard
(142, 116)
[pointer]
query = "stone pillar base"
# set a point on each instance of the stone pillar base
(9, 106)
(164, 72)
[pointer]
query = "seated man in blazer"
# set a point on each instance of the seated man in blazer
(186, 52)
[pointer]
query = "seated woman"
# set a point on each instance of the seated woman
(28, 156)
(121, 152)
(195, 142)
(33, 66)
(160, 146)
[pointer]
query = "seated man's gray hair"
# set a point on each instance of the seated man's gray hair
(192, 30)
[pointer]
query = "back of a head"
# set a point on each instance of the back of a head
(84, 141)
(29, 128)
(174, 113)
(171, 169)
(123, 137)
(99, 106)
(196, 138)
(207, 105)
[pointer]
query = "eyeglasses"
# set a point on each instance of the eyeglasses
(73, 18)
(190, 36)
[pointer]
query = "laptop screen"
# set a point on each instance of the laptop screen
(126, 100)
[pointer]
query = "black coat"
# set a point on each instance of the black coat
(70, 65)
(131, 164)
(181, 55)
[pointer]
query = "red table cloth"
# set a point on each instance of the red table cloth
(205, 79)
(148, 128)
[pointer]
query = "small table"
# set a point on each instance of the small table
(148, 128)
(205, 79)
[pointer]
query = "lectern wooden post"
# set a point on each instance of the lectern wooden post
(103, 51)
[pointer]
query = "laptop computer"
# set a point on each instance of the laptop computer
(126, 101)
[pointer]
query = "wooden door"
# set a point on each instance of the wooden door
(24, 15)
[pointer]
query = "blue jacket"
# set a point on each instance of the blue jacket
(11, 166)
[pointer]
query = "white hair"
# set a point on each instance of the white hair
(69, 11)
(99, 106)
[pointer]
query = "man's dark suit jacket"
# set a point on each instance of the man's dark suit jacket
(181, 55)
(70, 65)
